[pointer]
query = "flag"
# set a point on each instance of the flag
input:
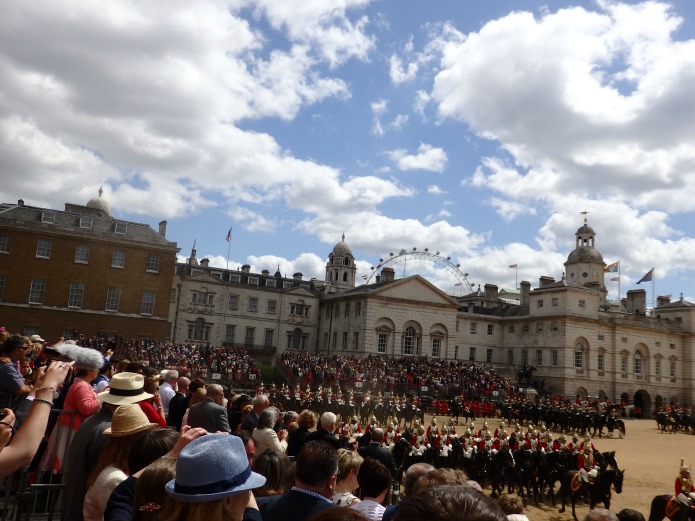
(458, 284)
(513, 266)
(615, 279)
(229, 235)
(612, 268)
(648, 277)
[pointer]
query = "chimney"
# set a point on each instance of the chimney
(388, 275)
(491, 291)
(246, 268)
(163, 228)
(636, 301)
(545, 281)
(20, 202)
(265, 272)
(662, 300)
(298, 275)
(205, 262)
(525, 290)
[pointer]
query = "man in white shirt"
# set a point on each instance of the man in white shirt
(167, 389)
(374, 480)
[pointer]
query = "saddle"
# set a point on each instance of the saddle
(673, 506)
(576, 482)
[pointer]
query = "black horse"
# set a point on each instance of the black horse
(599, 491)
(498, 464)
(668, 506)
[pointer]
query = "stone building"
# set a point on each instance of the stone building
(257, 311)
(82, 270)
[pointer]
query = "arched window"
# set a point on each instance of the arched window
(198, 329)
(638, 362)
(578, 356)
(345, 277)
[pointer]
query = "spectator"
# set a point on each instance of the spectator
(26, 441)
(167, 389)
(375, 481)
(601, 514)
(197, 396)
(179, 403)
(238, 403)
(153, 407)
(127, 425)
(316, 469)
(209, 413)
(260, 403)
(628, 514)
(326, 430)
(249, 444)
(306, 421)
(213, 481)
(348, 465)
(376, 451)
(450, 503)
(439, 477)
(150, 496)
(412, 475)
(513, 507)
(265, 437)
(103, 381)
(273, 465)
(12, 386)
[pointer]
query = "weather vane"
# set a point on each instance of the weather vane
(584, 214)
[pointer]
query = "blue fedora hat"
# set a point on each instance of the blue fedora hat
(212, 467)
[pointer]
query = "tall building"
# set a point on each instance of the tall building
(83, 270)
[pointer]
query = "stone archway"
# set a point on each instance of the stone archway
(643, 400)
(625, 398)
(658, 402)
(582, 393)
(602, 395)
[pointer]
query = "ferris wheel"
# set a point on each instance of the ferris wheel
(403, 256)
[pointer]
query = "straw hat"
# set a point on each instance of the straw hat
(125, 388)
(128, 419)
(212, 467)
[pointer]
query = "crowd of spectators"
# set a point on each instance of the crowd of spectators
(457, 376)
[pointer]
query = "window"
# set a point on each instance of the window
(623, 364)
(337, 310)
(271, 307)
(229, 334)
(328, 311)
(554, 326)
(672, 369)
(121, 228)
(436, 347)
(510, 356)
(490, 329)
(409, 341)
(248, 338)
(456, 352)
(253, 281)
(199, 330)
(345, 336)
(38, 287)
(601, 362)
(539, 357)
(297, 310)
(578, 356)
(82, 254)
(510, 328)
(269, 336)
(335, 340)
(488, 356)
(113, 298)
(600, 337)
(382, 342)
(556, 302)
(637, 363)
(118, 259)
(356, 340)
(471, 354)
(48, 217)
(672, 346)
(153, 264)
(2, 285)
(347, 310)
(235, 278)
(553, 358)
(297, 339)
(582, 304)
(325, 342)
(539, 327)
(657, 367)
(5, 243)
(76, 294)
(233, 302)
(524, 328)
(147, 307)
(358, 309)
(473, 328)
(86, 222)
(657, 343)
(253, 304)
(524, 357)
(173, 294)
(539, 303)
(270, 283)
(623, 340)
(43, 249)
(286, 285)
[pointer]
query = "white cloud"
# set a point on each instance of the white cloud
(435, 190)
(427, 158)
(400, 73)
(379, 108)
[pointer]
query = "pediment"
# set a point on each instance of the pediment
(415, 289)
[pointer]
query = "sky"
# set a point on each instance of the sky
(477, 129)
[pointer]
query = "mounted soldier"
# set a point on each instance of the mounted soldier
(588, 470)
(685, 491)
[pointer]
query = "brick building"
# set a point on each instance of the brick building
(82, 270)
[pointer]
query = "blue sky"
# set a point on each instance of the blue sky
(479, 129)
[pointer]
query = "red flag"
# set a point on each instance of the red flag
(229, 235)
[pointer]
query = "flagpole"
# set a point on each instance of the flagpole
(516, 277)
(226, 293)
(619, 282)
(229, 245)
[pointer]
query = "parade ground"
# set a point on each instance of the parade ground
(651, 462)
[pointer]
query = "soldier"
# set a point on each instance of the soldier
(587, 466)
(685, 492)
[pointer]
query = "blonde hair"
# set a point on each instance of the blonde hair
(307, 419)
(348, 460)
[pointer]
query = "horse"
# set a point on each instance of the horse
(400, 450)
(668, 506)
(666, 422)
(599, 492)
(497, 466)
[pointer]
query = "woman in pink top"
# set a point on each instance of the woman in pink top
(80, 403)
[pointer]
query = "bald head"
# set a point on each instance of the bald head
(414, 473)
(378, 434)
